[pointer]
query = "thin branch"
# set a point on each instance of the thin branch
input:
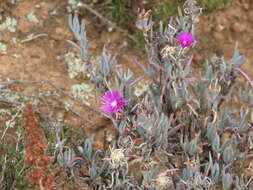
(245, 76)
(10, 121)
(54, 87)
(5, 101)
(40, 98)
(33, 38)
(109, 22)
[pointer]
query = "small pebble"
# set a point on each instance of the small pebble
(239, 27)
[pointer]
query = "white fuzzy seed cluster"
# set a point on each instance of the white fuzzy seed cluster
(163, 181)
(117, 157)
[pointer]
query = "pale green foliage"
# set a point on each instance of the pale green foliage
(31, 17)
(73, 5)
(75, 65)
(82, 91)
(9, 24)
(66, 158)
(3, 48)
(141, 89)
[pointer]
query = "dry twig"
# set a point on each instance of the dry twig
(58, 90)
(33, 38)
(109, 22)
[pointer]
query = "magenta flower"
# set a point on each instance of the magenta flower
(185, 39)
(112, 102)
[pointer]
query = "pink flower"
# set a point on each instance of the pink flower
(112, 102)
(185, 39)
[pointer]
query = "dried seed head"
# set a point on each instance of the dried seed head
(162, 180)
(168, 50)
(117, 157)
(191, 164)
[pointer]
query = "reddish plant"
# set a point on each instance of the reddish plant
(35, 149)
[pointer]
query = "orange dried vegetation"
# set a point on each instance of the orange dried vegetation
(34, 154)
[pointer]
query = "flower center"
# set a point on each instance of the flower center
(184, 42)
(114, 103)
